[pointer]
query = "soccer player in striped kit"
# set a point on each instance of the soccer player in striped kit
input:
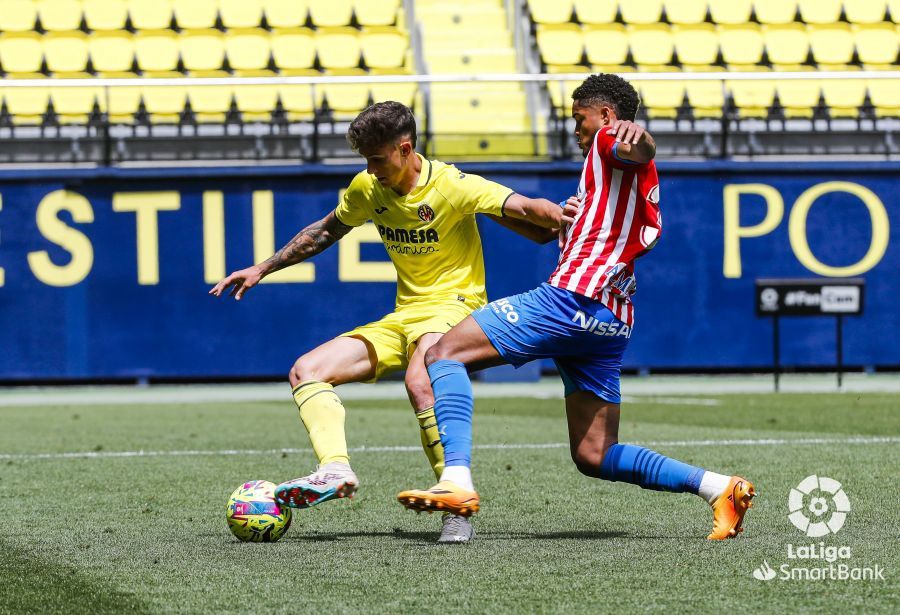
(583, 318)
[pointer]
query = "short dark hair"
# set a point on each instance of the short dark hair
(611, 90)
(380, 124)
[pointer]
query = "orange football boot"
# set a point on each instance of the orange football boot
(446, 496)
(730, 507)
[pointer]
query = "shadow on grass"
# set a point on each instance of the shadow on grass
(430, 537)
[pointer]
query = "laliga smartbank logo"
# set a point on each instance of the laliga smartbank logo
(818, 507)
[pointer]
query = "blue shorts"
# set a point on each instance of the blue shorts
(582, 335)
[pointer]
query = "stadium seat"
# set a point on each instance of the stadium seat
(256, 102)
(202, 52)
(74, 105)
(641, 11)
(823, 11)
(561, 94)
(876, 43)
(606, 44)
(240, 13)
(210, 103)
(112, 53)
(164, 104)
(462, 19)
(885, 96)
(26, 105)
(473, 61)
(297, 102)
(786, 44)
(661, 99)
(156, 52)
(732, 12)
(66, 53)
(331, 13)
(596, 11)
(870, 11)
(337, 47)
(124, 103)
(401, 92)
(381, 13)
(707, 98)
(293, 49)
(752, 98)
(383, 47)
(196, 14)
(150, 14)
(59, 15)
(798, 97)
(832, 43)
(775, 11)
(105, 14)
(346, 100)
(560, 44)
(550, 11)
(844, 97)
(21, 52)
(281, 14)
(651, 45)
(741, 45)
(696, 46)
(248, 51)
(18, 16)
(685, 11)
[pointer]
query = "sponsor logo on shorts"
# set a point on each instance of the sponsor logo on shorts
(504, 308)
(601, 327)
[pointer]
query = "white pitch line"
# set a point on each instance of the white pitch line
(405, 449)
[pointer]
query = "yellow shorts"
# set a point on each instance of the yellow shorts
(394, 337)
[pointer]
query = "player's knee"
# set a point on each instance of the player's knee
(306, 369)
(589, 459)
(436, 353)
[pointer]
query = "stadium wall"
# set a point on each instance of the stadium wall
(104, 272)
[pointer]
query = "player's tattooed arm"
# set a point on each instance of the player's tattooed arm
(307, 243)
(635, 143)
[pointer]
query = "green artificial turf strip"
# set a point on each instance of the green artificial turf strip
(147, 534)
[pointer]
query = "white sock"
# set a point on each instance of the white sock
(461, 475)
(712, 485)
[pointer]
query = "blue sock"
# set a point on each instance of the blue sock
(453, 410)
(641, 466)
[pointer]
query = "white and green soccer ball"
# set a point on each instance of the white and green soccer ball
(253, 514)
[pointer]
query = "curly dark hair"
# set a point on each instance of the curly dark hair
(380, 124)
(611, 90)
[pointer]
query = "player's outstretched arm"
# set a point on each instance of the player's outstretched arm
(307, 243)
(537, 234)
(635, 143)
(539, 212)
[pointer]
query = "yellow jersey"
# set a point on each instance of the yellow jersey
(430, 233)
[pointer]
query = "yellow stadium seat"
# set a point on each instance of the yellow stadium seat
(561, 94)
(383, 47)
(112, 53)
(650, 44)
(596, 11)
(297, 101)
(18, 16)
(741, 45)
(401, 92)
(832, 43)
(59, 15)
(885, 96)
(641, 11)
(697, 45)
(550, 11)
(105, 14)
(822, 11)
(150, 14)
(65, 52)
(844, 97)
(661, 99)
(606, 44)
(202, 51)
(124, 103)
(474, 61)
(331, 13)
(337, 47)
(73, 105)
(798, 97)
(560, 43)
(786, 43)
(256, 102)
(156, 51)
(248, 50)
(27, 105)
(707, 98)
(210, 103)
(381, 13)
(241, 13)
(21, 52)
(293, 49)
(450, 17)
(346, 100)
(775, 11)
(876, 43)
(196, 14)
(752, 98)
(732, 12)
(868, 11)
(164, 103)
(281, 14)
(685, 11)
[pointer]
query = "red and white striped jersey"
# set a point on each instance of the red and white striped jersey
(619, 221)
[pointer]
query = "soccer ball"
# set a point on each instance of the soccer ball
(253, 514)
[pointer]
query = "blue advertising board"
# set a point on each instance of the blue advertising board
(104, 273)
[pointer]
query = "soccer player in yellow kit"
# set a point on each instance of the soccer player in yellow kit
(425, 213)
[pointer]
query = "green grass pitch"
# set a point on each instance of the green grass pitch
(108, 533)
